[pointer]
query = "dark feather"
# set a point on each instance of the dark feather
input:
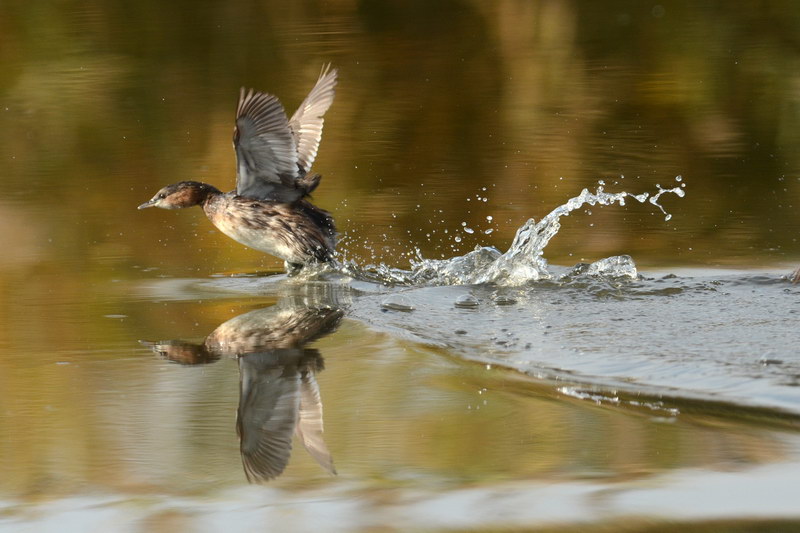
(266, 154)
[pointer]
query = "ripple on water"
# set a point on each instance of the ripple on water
(692, 336)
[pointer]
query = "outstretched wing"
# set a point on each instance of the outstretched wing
(266, 153)
(306, 123)
(269, 400)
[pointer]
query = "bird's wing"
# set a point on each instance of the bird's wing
(266, 153)
(306, 123)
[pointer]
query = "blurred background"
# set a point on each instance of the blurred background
(446, 112)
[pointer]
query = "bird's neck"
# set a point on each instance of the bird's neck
(201, 193)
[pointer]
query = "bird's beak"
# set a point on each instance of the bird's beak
(149, 203)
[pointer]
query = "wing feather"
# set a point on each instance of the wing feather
(266, 153)
(306, 123)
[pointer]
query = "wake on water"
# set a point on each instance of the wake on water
(727, 338)
(524, 261)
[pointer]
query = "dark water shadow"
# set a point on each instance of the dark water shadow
(278, 392)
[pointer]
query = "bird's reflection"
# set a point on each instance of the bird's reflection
(278, 391)
(279, 397)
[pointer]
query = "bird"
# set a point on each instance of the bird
(269, 210)
(278, 391)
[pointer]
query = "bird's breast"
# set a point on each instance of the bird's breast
(253, 224)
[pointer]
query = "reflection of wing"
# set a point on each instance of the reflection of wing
(306, 123)
(266, 154)
(309, 426)
(268, 408)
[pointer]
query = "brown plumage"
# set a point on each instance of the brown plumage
(268, 210)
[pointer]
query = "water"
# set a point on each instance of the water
(523, 262)
(481, 360)
(385, 396)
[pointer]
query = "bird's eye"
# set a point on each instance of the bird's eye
(162, 196)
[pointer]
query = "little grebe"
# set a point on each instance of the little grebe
(268, 210)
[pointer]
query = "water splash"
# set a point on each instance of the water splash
(524, 261)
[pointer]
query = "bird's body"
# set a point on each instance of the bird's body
(268, 210)
(299, 233)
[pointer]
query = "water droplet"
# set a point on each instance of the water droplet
(397, 302)
(467, 301)
(469, 230)
(502, 299)
(457, 239)
(489, 218)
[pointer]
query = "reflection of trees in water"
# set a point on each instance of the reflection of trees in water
(278, 392)
(456, 95)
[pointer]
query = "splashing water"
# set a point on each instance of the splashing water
(524, 261)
